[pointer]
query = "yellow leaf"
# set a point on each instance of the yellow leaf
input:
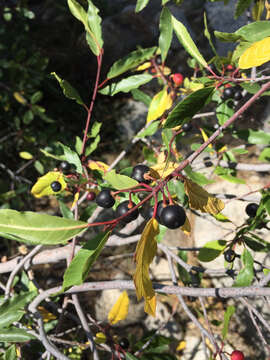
(144, 66)
(19, 98)
(186, 227)
(205, 137)
(145, 251)
(267, 6)
(25, 155)
(200, 199)
(43, 186)
(100, 338)
(163, 167)
(161, 102)
(194, 86)
(181, 346)
(76, 198)
(46, 315)
(119, 310)
(256, 55)
(98, 165)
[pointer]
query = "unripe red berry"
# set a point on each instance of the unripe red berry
(230, 67)
(237, 355)
(91, 196)
(178, 79)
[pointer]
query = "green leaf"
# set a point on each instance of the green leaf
(166, 32)
(33, 228)
(94, 37)
(164, 2)
(130, 61)
(224, 111)
(130, 356)
(227, 316)
(239, 50)
(71, 157)
(254, 31)
(254, 136)
(187, 42)
(28, 117)
(13, 309)
(246, 274)
(10, 354)
(14, 334)
(253, 88)
(255, 245)
(36, 97)
(150, 130)
(207, 34)
(226, 37)
(68, 90)
(141, 96)
(141, 4)
(118, 181)
(188, 107)
(266, 201)
(232, 179)
(197, 177)
(125, 85)
(92, 147)
(184, 275)
(80, 266)
(78, 145)
(211, 250)
(65, 210)
(241, 6)
(95, 129)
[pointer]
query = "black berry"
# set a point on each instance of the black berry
(138, 173)
(229, 255)
(65, 166)
(238, 95)
(56, 186)
(160, 207)
(123, 208)
(187, 127)
(147, 212)
(228, 93)
(124, 343)
(91, 196)
(105, 199)
(251, 209)
(207, 162)
(173, 216)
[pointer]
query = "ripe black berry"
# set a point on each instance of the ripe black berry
(138, 173)
(207, 162)
(105, 199)
(187, 127)
(147, 212)
(123, 208)
(160, 207)
(124, 343)
(173, 216)
(228, 93)
(229, 255)
(251, 209)
(91, 196)
(56, 186)
(65, 166)
(238, 95)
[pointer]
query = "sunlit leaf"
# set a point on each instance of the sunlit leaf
(181, 345)
(100, 338)
(119, 181)
(141, 4)
(43, 186)
(14, 334)
(256, 55)
(246, 274)
(200, 199)
(94, 37)
(119, 310)
(33, 228)
(163, 167)
(144, 66)
(166, 32)
(211, 250)
(25, 155)
(145, 251)
(227, 316)
(205, 137)
(46, 315)
(68, 90)
(187, 42)
(160, 103)
(186, 227)
(141, 96)
(98, 165)
(125, 85)
(19, 98)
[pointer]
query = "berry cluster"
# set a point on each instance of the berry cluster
(168, 214)
(234, 93)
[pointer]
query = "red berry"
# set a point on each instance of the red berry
(230, 67)
(91, 196)
(237, 355)
(178, 79)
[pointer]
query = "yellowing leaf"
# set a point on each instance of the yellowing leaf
(144, 66)
(205, 137)
(100, 338)
(119, 310)
(186, 227)
(162, 167)
(43, 186)
(256, 55)
(181, 346)
(161, 102)
(25, 155)
(19, 98)
(76, 198)
(145, 251)
(98, 165)
(46, 315)
(200, 199)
